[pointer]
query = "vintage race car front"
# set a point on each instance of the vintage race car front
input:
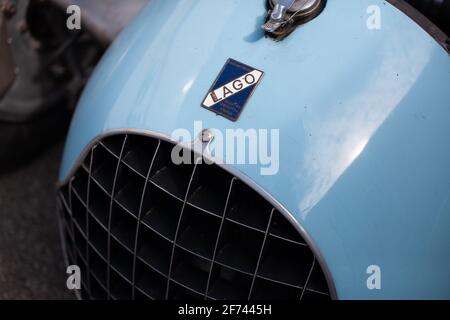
(331, 147)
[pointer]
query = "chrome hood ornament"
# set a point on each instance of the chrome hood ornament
(278, 15)
(285, 15)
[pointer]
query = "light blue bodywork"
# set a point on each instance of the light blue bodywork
(364, 119)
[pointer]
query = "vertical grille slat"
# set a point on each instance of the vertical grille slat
(86, 195)
(142, 274)
(176, 233)
(216, 242)
(141, 227)
(261, 251)
(117, 292)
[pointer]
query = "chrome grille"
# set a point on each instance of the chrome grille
(141, 227)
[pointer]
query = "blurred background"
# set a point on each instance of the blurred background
(43, 69)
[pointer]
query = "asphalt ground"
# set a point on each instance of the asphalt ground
(31, 260)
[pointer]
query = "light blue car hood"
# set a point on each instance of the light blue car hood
(364, 120)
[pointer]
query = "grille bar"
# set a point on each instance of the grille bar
(141, 227)
(87, 196)
(140, 218)
(176, 233)
(216, 243)
(116, 173)
(260, 255)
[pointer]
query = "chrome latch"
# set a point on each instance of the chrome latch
(278, 15)
(285, 15)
